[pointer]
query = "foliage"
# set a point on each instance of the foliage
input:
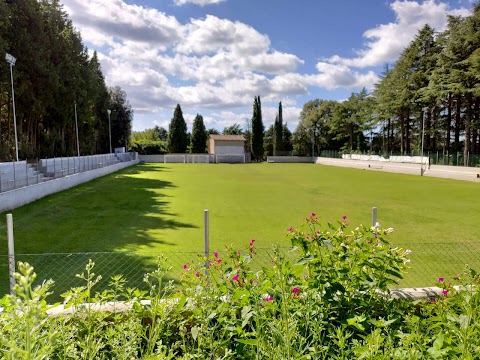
(331, 302)
(278, 131)
(199, 136)
(434, 82)
(235, 129)
(148, 147)
(149, 141)
(257, 130)
(121, 117)
(53, 72)
(177, 133)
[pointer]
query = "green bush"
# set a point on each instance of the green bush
(148, 147)
(332, 302)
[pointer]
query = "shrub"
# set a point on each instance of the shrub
(331, 302)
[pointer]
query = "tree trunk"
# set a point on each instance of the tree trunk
(428, 126)
(458, 119)
(476, 121)
(407, 133)
(402, 134)
(448, 124)
(468, 122)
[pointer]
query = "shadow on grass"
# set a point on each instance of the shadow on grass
(107, 220)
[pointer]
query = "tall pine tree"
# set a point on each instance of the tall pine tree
(199, 135)
(257, 130)
(177, 133)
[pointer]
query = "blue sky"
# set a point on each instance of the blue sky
(213, 56)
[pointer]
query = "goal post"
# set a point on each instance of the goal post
(198, 158)
(174, 158)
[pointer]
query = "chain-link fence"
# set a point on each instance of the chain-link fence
(455, 158)
(429, 261)
(63, 267)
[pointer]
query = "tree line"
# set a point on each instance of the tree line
(433, 88)
(277, 140)
(54, 75)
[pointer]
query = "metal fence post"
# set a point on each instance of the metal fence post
(374, 216)
(26, 170)
(11, 253)
(14, 176)
(206, 239)
(38, 170)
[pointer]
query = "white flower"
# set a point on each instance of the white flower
(408, 252)
(389, 230)
(406, 261)
(377, 224)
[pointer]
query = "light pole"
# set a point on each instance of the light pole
(11, 60)
(109, 130)
(76, 127)
(424, 111)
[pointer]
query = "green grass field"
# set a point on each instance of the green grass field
(155, 208)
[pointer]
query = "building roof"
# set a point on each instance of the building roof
(227, 137)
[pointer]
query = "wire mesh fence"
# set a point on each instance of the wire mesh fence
(454, 158)
(429, 261)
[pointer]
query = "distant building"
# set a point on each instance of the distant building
(226, 145)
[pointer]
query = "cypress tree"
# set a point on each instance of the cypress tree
(257, 130)
(177, 133)
(199, 135)
(278, 141)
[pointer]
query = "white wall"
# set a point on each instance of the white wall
(229, 149)
(15, 198)
(151, 158)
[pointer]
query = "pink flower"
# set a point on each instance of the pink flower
(251, 243)
(445, 292)
(235, 278)
(290, 229)
(238, 253)
(440, 280)
(185, 266)
(344, 217)
(269, 298)
(197, 274)
(219, 261)
(313, 214)
(296, 290)
(215, 254)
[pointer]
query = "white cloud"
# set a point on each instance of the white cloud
(387, 41)
(197, 2)
(216, 66)
(212, 34)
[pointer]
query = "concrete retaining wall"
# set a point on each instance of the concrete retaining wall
(15, 198)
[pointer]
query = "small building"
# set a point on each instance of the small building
(226, 145)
